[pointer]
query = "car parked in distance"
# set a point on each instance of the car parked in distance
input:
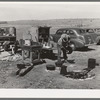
(97, 30)
(78, 36)
(92, 31)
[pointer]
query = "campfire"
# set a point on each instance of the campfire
(80, 74)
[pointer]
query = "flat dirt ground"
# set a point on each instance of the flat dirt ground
(40, 78)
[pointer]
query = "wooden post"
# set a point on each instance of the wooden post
(38, 54)
(23, 55)
(31, 57)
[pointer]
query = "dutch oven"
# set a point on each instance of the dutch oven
(50, 67)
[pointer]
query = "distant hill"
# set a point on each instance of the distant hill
(3, 22)
(59, 22)
(22, 26)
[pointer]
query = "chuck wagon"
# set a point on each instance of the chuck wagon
(39, 34)
(40, 39)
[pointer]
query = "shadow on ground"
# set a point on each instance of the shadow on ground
(85, 49)
(51, 56)
(72, 61)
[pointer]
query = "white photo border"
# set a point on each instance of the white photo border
(49, 93)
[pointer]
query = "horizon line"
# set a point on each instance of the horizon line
(46, 19)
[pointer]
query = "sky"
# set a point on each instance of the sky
(10, 11)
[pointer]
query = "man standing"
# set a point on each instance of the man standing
(63, 43)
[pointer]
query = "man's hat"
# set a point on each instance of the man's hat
(65, 37)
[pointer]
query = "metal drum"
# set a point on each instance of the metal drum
(91, 63)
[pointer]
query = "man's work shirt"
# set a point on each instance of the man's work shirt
(62, 43)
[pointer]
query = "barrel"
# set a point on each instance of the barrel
(91, 63)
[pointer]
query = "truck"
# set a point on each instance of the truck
(8, 38)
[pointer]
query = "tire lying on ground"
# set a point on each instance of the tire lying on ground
(50, 67)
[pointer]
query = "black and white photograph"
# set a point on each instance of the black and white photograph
(50, 45)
